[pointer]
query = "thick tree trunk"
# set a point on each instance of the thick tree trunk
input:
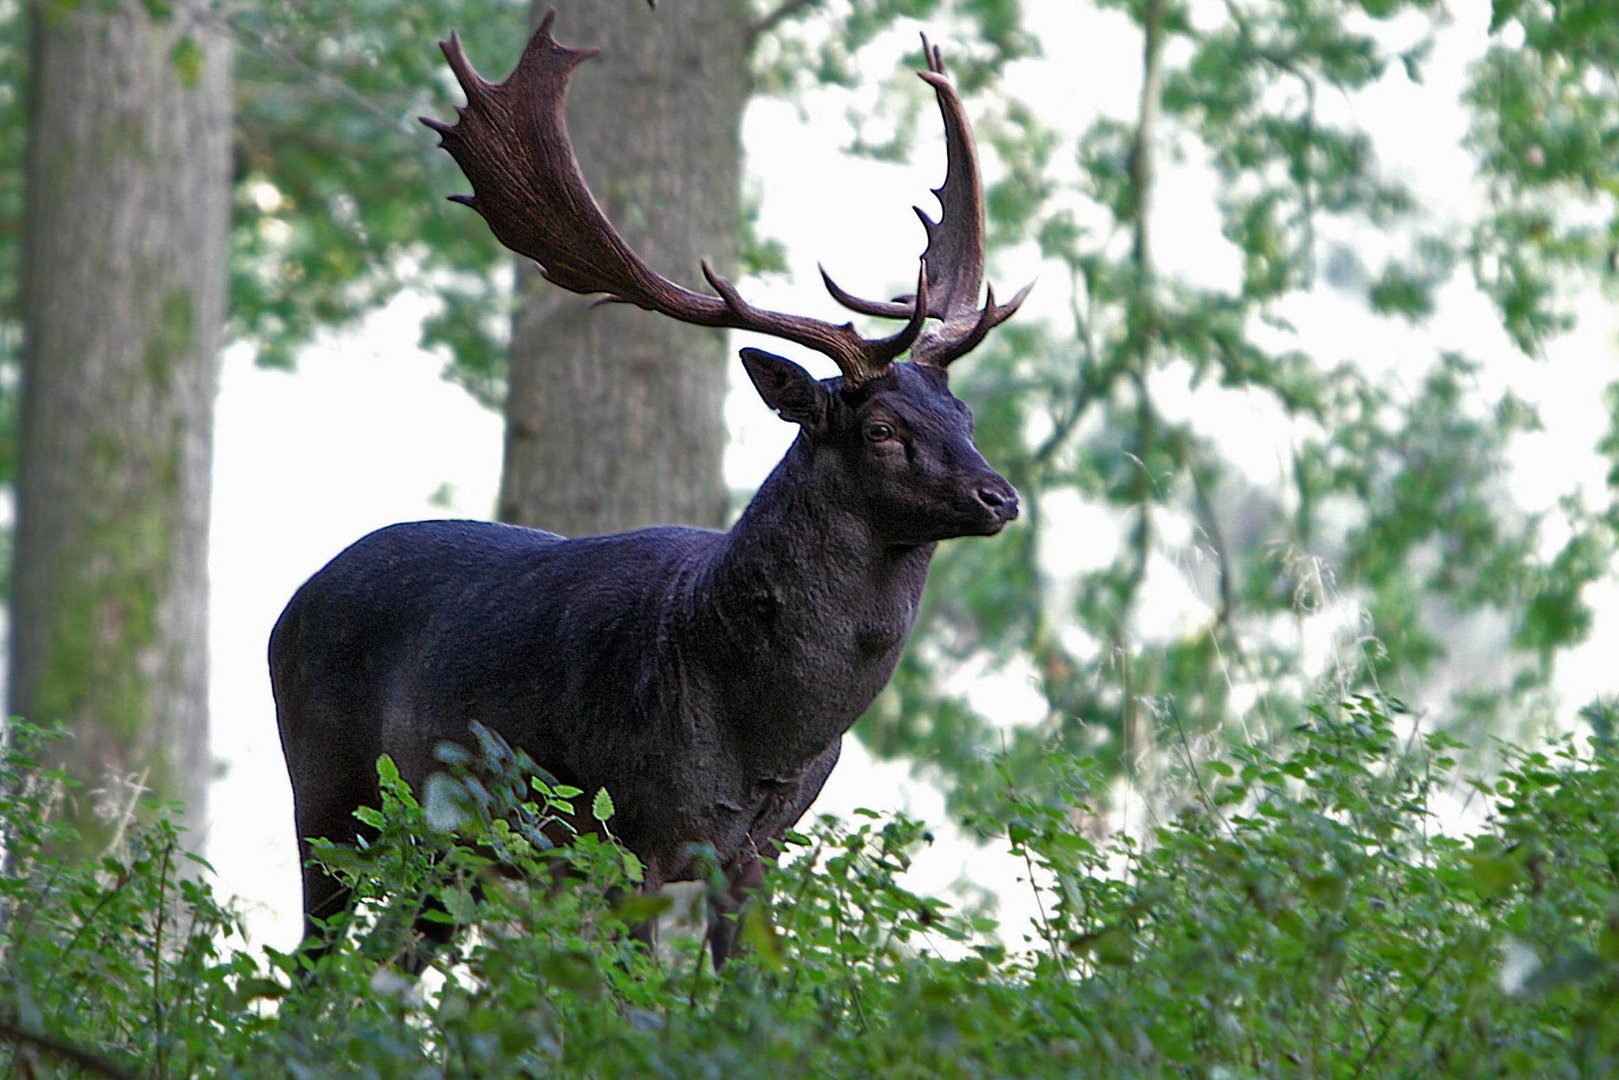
(124, 280)
(614, 416)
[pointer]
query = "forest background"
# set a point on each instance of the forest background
(1313, 395)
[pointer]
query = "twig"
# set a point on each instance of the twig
(697, 968)
(791, 926)
(159, 1041)
(1197, 775)
(1140, 541)
(1209, 523)
(1034, 886)
(1045, 920)
(1416, 991)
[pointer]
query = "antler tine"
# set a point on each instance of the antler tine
(889, 309)
(955, 251)
(511, 140)
(988, 319)
(878, 353)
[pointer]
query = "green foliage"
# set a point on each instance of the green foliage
(124, 953)
(339, 195)
(1546, 128)
(1340, 904)
(1385, 525)
(1331, 924)
(804, 45)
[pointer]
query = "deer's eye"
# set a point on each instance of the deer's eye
(878, 431)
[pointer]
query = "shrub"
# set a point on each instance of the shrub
(1305, 912)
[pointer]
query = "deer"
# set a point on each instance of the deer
(705, 678)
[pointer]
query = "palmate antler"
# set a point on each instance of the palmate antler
(954, 260)
(511, 140)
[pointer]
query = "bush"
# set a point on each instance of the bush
(1303, 913)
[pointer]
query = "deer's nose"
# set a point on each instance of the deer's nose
(1000, 499)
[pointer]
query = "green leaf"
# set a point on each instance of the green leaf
(759, 934)
(572, 970)
(369, 815)
(601, 807)
(1502, 12)
(443, 803)
(1115, 946)
(637, 907)
(1608, 938)
(387, 771)
(187, 57)
(1493, 875)
(459, 902)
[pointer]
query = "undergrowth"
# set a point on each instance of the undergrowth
(1307, 912)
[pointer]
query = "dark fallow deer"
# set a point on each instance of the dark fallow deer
(704, 678)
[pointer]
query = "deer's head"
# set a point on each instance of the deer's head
(902, 444)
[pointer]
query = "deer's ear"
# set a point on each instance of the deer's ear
(794, 393)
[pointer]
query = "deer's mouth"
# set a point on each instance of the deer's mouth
(983, 522)
(994, 526)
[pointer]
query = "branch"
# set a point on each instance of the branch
(1141, 331)
(1141, 164)
(1088, 383)
(84, 1059)
(1286, 64)
(1140, 541)
(768, 22)
(251, 38)
(1210, 524)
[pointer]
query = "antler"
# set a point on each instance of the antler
(511, 140)
(954, 259)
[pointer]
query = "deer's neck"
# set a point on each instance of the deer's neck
(805, 612)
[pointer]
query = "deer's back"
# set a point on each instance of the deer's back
(417, 629)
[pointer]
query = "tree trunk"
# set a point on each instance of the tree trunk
(614, 416)
(124, 285)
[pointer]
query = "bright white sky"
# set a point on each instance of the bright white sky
(366, 431)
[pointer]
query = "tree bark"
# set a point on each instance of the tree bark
(614, 416)
(124, 289)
